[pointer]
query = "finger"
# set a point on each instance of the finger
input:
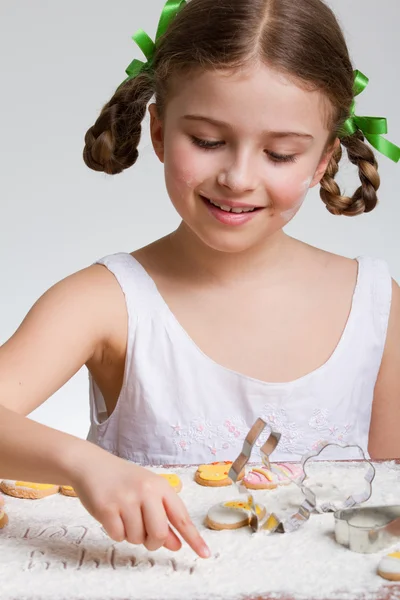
(155, 523)
(173, 542)
(114, 526)
(179, 518)
(133, 523)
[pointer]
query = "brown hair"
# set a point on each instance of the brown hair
(300, 38)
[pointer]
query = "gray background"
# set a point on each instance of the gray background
(60, 62)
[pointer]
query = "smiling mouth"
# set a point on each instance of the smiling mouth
(229, 209)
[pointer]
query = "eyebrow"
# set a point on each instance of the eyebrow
(275, 134)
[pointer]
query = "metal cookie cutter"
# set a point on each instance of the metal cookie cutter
(351, 500)
(310, 504)
(368, 529)
(239, 464)
(270, 522)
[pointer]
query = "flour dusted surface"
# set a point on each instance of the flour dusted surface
(53, 549)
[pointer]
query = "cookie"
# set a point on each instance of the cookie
(231, 515)
(173, 480)
(269, 479)
(389, 567)
(214, 474)
(3, 516)
(27, 489)
(67, 490)
(3, 519)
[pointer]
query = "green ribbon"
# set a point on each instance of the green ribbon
(372, 127)
(146, 44)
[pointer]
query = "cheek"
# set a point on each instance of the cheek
(289, 197)
(185, 167)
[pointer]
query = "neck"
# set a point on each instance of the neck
(226, 267)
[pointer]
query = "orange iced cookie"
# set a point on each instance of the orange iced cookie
(67, 490)
(389, 567)
(214, 474)
(173, 480)
(27, 489)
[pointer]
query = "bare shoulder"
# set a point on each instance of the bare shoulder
(393, 333)
(384, 440)
(64, 329)
(339, 270)
(91, 298)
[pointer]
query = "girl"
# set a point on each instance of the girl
(191, 338)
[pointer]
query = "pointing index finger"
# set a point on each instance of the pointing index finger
(181, 521)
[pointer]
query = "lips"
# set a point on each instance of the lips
(236, 217)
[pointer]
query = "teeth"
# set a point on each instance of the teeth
(233, 210)
(242, 210)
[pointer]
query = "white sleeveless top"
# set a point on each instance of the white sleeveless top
(178, 406)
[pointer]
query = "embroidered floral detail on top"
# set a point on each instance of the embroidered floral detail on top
(321, 422)
(277, 420)
(217, 437)
(229, 434)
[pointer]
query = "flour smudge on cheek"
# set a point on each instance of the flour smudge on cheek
(287, 215)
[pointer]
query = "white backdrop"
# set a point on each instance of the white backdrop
(59, 63)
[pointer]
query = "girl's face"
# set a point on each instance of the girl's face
(253, 141)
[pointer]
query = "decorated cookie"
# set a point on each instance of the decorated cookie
(26, 489)
(268, 479)
(214, 474)
(173, 480)
(389, 567)
(67, 490)
(3, 516)
(231, 515)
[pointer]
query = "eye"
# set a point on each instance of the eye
(282, 158)
(204, 144)
(276, 158)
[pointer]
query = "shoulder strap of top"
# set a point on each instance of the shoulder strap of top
(377, 286)
(141, 298)
(141, 294)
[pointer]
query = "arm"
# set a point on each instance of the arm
(384, 437)
(69, 325)
(64, 330)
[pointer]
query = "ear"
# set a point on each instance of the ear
(323, 164)
(156, 132)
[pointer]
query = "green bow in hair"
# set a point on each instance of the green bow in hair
(372, 127)
(146, 44)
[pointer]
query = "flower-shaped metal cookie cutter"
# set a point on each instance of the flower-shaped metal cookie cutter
(310, 503)
(352, 500)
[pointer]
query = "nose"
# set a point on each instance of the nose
(239, 173)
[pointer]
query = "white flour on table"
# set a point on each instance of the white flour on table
(53, 549)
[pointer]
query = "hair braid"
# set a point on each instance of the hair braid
(111, 145)
(364, 199)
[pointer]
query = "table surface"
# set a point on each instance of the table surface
(391, 592)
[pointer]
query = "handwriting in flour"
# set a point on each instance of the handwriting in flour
(76, 533)
(68, 547)
(88, 560)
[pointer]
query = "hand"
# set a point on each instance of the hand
(135, 504)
